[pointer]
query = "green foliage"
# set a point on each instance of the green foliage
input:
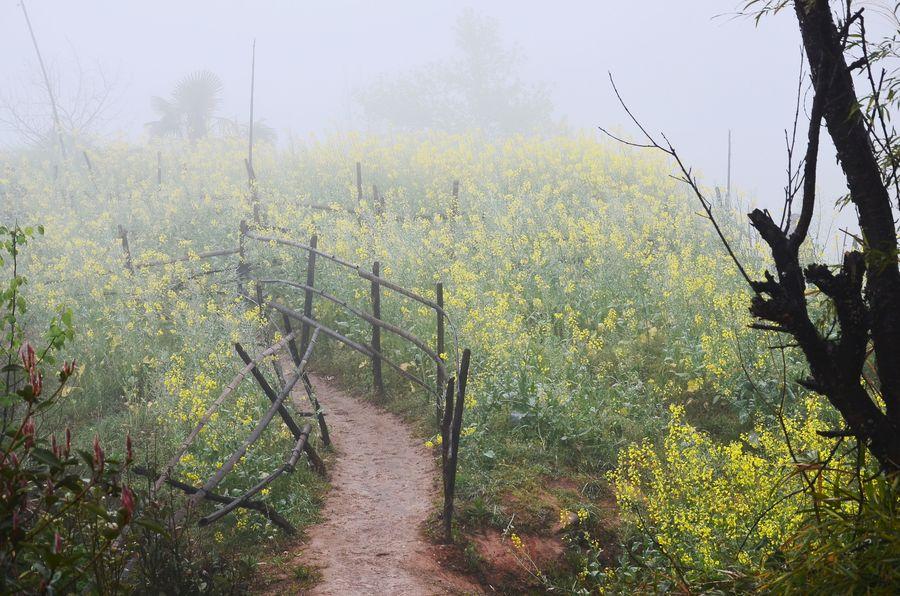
(480, 89)
(850, 544)
(65, 512)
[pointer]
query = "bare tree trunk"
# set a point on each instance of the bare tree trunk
(836, 364)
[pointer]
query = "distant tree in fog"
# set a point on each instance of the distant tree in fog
(480, 88)
(85, 99)
(189, 111)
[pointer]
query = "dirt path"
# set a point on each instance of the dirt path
(382, 487)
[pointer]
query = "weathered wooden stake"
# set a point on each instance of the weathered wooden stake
(441, 381)
(359, 195)
(123, 234)
(445, 450)
(308, 298)
(259, 299)
(454, 204)
(376, 333)
(450, 434)
(159, 168)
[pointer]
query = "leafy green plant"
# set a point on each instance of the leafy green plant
(64, 512)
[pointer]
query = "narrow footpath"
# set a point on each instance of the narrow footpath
(383, 485)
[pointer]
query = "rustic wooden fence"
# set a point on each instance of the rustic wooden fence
(448, 394)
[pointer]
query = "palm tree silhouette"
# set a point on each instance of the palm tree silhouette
(189, 111)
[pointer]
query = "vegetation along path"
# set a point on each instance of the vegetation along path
(383, 484)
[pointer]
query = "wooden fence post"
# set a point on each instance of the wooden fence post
(450, 429)
(159, 168)
(308, 294)
(123, 234)
(439, 349)
(359, 195)
(454, 204)
(445, 451)
(377, 378)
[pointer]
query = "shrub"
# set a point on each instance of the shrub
(702, 511)
(65, 512)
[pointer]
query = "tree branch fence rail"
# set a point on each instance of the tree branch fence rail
(447, 391)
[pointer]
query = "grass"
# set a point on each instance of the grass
(591, 296)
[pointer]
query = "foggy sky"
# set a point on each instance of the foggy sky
(682, 70)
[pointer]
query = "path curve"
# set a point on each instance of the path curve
(383, 483)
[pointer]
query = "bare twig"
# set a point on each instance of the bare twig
(686, 175)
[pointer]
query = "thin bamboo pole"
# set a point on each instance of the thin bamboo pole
(260, 506)
(53, 106)
(441, 367)
(239, 453)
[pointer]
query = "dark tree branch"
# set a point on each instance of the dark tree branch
(809, 170)
(853, 143)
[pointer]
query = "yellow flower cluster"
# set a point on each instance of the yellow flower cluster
(709, 504)
(576, 272)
